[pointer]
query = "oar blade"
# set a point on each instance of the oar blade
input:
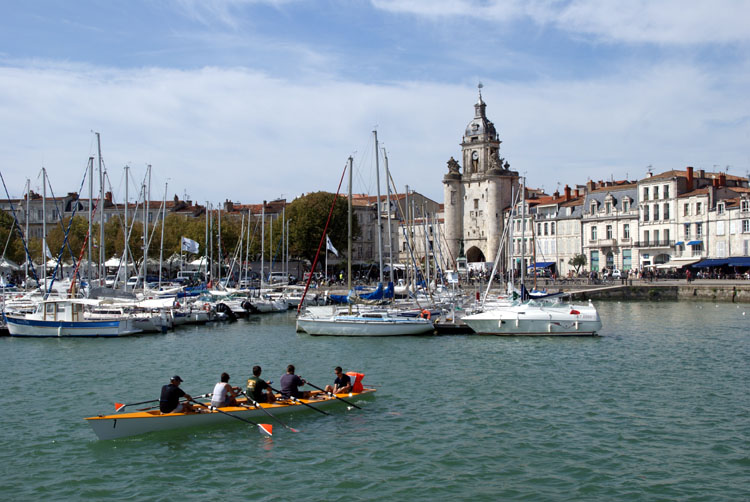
(119, 406)
(266, 428)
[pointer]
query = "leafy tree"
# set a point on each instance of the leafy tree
(308, 215)
(578, 261)
(14, 250)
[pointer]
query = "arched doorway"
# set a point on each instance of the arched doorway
(475, 254)
(661, 258)
(610, 260)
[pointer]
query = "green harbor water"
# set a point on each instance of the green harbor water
(657, 408)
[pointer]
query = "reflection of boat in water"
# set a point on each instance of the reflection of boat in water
(537, 318)
(122, 425)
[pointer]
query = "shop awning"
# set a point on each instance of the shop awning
(678, 263)
(542, 264)
(741, 261)
(711, 262)
(695, 243)
(680, 243)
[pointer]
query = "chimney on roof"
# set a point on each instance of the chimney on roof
(176, 199)
(701, 173)
(577, 192)
(590, 185)
(689, 178)
(567, 192)
(228, 206)
(557, 194)
(108, 197)
(715, 182)
(722, 179)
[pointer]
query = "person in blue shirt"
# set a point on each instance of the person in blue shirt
(290, 384)
(342, 384)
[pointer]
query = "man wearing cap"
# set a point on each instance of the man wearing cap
(169, 402)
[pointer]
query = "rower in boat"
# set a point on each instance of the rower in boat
(290, 384)
(224, 394)
(342, 384)
(169, 402)
(258, 389)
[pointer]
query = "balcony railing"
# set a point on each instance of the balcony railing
(654, 244)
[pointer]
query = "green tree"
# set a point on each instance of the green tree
(578, 261)
(308, 215)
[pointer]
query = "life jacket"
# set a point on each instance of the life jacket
(356, 380)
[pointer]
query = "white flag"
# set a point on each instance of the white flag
(189, 245)
(329, 246)
(47, 252)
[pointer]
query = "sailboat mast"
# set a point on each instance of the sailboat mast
(147, 211)
(349, 236)
(125, 230)
(523, 230)
(102, 257)
(262, 241)
(380, 227)
(218, 247)
(161, 241)
(28, 199)
(44, 229)
(390, 235)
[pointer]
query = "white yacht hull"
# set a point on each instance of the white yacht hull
(360, 326)
(534, 320)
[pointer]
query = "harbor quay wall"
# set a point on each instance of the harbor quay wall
(735, 293)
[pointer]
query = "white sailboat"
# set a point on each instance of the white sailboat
(370, 322)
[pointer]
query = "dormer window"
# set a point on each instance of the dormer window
(720, 208)
(745, 205)
(593, 207)
(626, 205)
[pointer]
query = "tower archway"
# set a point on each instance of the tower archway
(474, 254)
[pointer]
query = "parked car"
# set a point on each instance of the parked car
(615, 274)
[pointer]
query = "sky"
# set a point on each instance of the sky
(251, 100)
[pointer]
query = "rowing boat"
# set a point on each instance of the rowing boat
(122, 425)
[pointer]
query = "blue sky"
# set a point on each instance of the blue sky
(257, 99)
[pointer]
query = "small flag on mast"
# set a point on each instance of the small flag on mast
(190, 245)
(329, 246)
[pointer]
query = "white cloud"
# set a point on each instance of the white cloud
(239, 134)
(672, 22)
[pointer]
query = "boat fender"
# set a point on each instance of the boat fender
(357, 380)
(425, 314)
(206, 307)
(176, 305)
(574, 312)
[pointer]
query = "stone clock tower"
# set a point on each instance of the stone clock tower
(476, 194)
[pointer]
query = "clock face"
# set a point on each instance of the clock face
(475, 155)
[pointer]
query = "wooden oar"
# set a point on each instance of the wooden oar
(300, 402)
(121, 406)
(267, 428)
(257, 405)
(334, 395)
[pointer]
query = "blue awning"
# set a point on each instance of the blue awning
(711, 262)
(695, 243)
(742, 261)
(542, 264)
(681, 243)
